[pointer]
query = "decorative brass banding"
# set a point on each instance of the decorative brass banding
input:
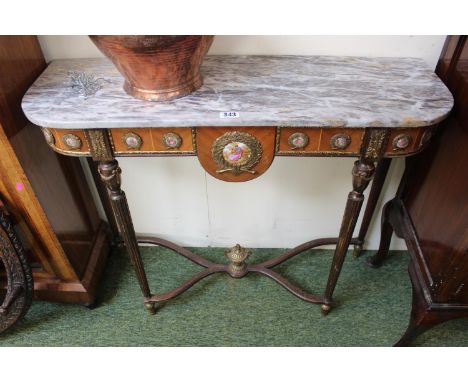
(100, 144)
(340, 141)
(401, 142)
(194, 139)
(172, 140)
(49, 137)
(132, 141)
(236, 152)
(72, 141)
(376, 144)
(298, 141)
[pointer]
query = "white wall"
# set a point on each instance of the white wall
(294, 201)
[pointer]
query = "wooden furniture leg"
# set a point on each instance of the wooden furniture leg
(425, 315)
(109, 172)
(376, 188)
(106, 203)
(420, 319)
(386, 232)
(363, 171)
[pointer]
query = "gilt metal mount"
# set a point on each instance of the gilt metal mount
(237, 256)
(236, 152)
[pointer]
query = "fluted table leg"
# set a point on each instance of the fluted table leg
(109, 172)
(362, 175)
(376, 188)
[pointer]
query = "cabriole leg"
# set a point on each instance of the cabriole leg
(362, 174)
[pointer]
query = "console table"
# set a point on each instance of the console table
(249, 110)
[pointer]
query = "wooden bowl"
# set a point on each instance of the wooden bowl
(157, 68)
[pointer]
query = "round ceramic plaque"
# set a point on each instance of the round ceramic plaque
(172, 140)
(340, 141)
(237, 153)
(298, 140)
(401, 142)
(72, 141)
(132, 141)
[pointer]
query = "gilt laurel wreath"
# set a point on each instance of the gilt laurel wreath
(235, 136)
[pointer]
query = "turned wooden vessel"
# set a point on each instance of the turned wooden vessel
(157, 68)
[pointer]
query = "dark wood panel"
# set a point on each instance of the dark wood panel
(47, 194)
(21, 63)
(60, 186)
(430, 210)
(437, 203)
(437, 195)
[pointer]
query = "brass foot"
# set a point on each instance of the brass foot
(325, 309)
(150, 307)
(357, 250)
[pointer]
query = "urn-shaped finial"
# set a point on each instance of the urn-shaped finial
(237, 256)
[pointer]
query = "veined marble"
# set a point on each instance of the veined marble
(263, 90)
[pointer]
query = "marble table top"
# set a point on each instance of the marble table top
(314, 91)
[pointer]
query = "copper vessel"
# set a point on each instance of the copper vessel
(157, 68)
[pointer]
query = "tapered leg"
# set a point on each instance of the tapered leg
(376, 188)
(362, 174)
(109, 172)
(386, 232)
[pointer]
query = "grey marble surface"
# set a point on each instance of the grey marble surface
(264, 90)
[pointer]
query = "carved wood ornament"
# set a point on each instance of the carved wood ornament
(20, 286)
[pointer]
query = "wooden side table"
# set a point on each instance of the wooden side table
(250, 109)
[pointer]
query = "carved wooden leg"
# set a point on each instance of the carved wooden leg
(106, 203)
(423, 315)
(376, 188)
(109, 172)
(420, 321)
(386, 232)
(362, 174)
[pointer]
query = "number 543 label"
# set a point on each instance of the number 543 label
(229, 114)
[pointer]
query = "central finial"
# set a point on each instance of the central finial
(237, 256)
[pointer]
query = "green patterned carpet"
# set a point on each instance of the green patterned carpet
(372, 307)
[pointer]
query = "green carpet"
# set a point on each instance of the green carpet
(372, 307)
